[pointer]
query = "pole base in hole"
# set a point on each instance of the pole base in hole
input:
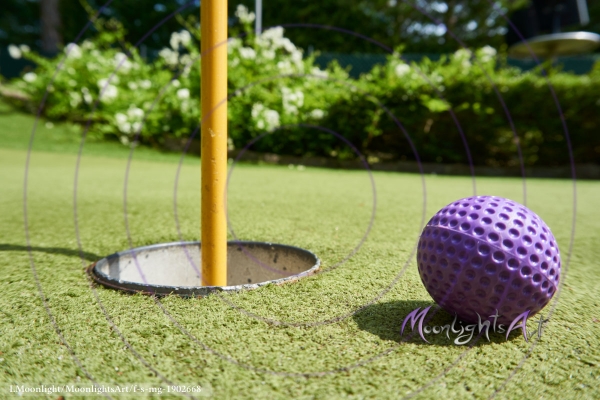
(174, 268)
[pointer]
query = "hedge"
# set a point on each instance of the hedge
(451, 109)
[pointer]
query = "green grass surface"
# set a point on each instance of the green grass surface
(16, 130)
(226, 351)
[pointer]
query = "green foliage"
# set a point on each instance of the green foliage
(19, 22)
(122, 94)
(20, 19)
(411, 23)
(273, 86)
(110, 86)
(426, 98)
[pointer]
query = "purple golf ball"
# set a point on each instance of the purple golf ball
(486, 253)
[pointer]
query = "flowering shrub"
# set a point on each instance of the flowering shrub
(273, 84)
(96, 81)
(123, 95)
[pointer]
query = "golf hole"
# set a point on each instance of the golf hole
(174, 268)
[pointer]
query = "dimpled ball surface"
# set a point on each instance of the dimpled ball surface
(482, 254)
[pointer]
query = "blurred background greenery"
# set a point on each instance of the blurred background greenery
(149, 95)
(393, 22)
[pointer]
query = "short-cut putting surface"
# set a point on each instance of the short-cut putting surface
(299, 340)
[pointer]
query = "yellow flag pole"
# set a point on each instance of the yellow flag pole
(213, 22)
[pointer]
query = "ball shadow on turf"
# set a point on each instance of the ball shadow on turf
(385, 320)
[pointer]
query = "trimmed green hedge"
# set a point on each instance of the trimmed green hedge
(474, 98)
(461, 88)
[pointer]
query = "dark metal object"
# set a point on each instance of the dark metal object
(174, 268)
(540, 25)
(556, 44)
(546, 16)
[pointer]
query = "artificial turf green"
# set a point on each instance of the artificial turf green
(233, 355)
(17, 128)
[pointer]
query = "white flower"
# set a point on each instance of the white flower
(125, 127)
(235, 62)
(292, 101)
(273, 34)
(285, 67)
(232, 44)
(125, 140)
(462, 54)
(175, 83)
(317, 113)
(14, 51)
(145, 84)
(489, 50)
(268, 54)
(297, 56)
(73, 51)
(248, 53)
(171, 57)
(265, 118)
(75, 99)
(109, 93)
(87, 97)
(271, 120)
(132, 85)
(319, 72)
(29, 77)
(87, 45)
(185, 38)
(185, 105)
(464, 57)
(186, 60)
(183, 93)
(122, 62)
(120, 118)
(180, 38)
(262, 43)
(242, 13)
(174, 40)
(102, 83)
(402, 69)
(24, 48)
(186, 70)
(487, 53)
(135, 113)
(257, 109)
(136, 127)
(287, 45)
